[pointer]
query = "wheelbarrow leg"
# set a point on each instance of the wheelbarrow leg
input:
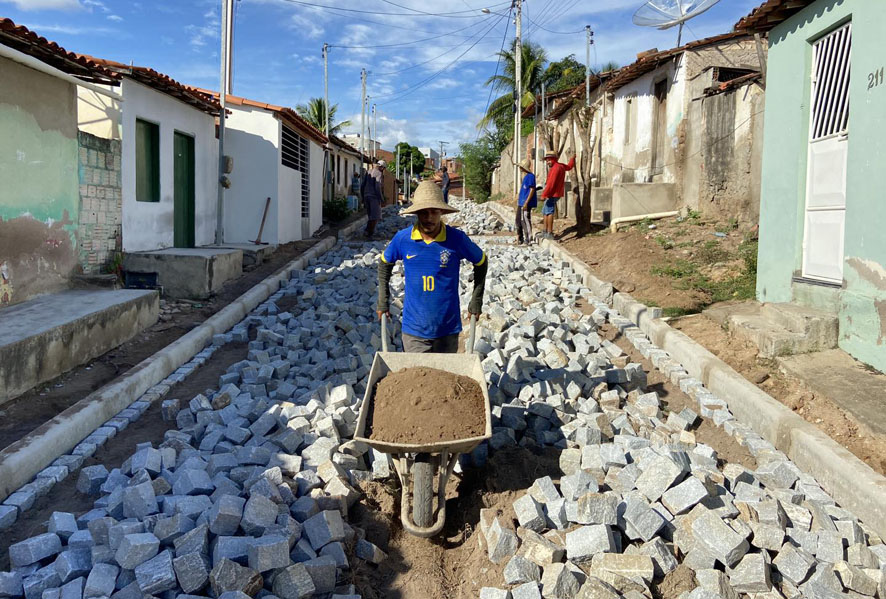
(423, 490)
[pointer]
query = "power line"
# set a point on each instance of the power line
(403, 93)
(447, 51)
(497, 63)
(454, 15)
(472, 10)
(537, 26)
(421, 40)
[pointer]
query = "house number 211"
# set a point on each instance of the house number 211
(875, 79)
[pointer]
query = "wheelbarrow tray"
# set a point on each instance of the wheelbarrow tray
(462, 364)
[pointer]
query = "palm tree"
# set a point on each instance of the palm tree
(315, 113)
(533, 58)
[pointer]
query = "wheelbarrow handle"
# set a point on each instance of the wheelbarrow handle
(473, 334)
(384, 332)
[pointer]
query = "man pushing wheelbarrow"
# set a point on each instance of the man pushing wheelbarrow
(424, 430)
(431, 252)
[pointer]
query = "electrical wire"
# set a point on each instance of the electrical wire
(472, 10)
(403, 93)
(537, 26)
(447, 51)
(420, 40)
(504, 38)
(455, 15)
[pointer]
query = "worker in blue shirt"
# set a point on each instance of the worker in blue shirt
(526, 201)
(431, 252)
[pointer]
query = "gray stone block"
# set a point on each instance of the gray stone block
(34, 549)
(73, 563)
(583, 543)
(642, 522)
(73, 589)
(558, 582)
(718, 539)
(171, 528)
(520, 570)
(684, 496)
(39, 581)
(136, 549)
(63, 524)
(139, 501)
(493, 593)
(193, 482)
(11, 584)
(8, 516)
(101, 581)
(91, 478)
(751, 575)
(224, 517)
(191, 571)
(229, 576)
(659, 475)
(529, 513)
(259, 512)
(529, 590)
(598, 508)
(369, 552)
(268, 553)
(196, 540)
(501, 542)
(854, 579)
(294, 582)
(322, 571)
(324, 527)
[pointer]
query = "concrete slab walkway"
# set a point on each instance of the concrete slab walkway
(836, 375)
(51, 334)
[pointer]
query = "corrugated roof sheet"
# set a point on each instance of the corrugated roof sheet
(19, 37)
(162, 83)
(771, 13)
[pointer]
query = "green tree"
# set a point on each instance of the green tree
(533, 58)
(408, 155)
(479, 159)
(315, 113)
(563, 74)
(609, 66)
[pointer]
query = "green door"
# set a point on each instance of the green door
(184, 191)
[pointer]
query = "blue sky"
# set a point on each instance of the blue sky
(277, 54)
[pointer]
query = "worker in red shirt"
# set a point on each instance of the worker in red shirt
(553, 190)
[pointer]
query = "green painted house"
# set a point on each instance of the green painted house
(823, 198)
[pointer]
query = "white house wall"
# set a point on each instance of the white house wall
(316, 186)
(252, 139)
(289, 205)
(149, 225)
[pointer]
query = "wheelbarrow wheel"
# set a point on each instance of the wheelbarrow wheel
(423, 493)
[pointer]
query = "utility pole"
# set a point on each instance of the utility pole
(442, 143)
(227, 32)
(328, 156)
(398, 173)
(518, 67)
(409, 187)
(590, 41)
(363, 116)
(374, 137)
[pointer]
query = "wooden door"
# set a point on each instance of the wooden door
(660, 131)
(184, 199)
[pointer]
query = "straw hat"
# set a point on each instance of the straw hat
(429, 196)
(526, 165)
(551, 154)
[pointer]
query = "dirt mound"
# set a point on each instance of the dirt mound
(426, 405)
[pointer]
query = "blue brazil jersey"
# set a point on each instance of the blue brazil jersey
(431, 307)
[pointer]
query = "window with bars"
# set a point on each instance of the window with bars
(296, 155)
(830, 83)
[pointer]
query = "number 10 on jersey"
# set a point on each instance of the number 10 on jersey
(427, 283)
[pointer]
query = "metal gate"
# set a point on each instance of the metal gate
(828, 152)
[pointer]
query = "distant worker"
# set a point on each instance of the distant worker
(431, 252)
(553, 190)
(372, 190)
(526, 201)
(445, 185)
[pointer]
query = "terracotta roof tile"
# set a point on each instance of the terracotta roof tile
(162, 83)
(651, 60)
(771, 13)
(19, 37)
(291, 117)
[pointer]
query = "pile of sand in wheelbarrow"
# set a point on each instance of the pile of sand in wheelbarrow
(425, 405)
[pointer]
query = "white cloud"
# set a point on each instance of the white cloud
(70, 29)
(443, 83)
(310, 28)
(208, 31)
(95, 4)
(45, 4)
(115, 18)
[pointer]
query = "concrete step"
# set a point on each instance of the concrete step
(771, 339)
(778, 329)
(820, 325)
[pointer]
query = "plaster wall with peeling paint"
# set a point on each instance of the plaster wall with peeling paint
(39, 194)
(860, 299)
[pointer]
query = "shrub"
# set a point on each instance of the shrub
(336, 209)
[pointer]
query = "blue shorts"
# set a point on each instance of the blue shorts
(550, 204)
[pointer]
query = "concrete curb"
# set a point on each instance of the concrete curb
(851, 482)
(20, 461)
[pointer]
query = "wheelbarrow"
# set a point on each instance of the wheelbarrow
(419, 466)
